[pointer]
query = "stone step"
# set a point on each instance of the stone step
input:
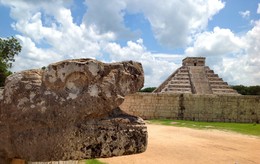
(215, 79)
(207, 68)
(220, 87)
(217, 83)
(183, 71)
(227, 90)
(184, 68)
(212, 76)
(209, 71)
(178, 86)
(179, 82)
(179, 90)
(181, 78)
(199, 80)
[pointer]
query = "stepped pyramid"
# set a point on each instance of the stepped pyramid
(195, 78)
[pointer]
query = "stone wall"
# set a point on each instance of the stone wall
(224, 108)
(150, 106)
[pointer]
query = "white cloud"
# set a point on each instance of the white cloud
(258, 9)
(62, 36)
(219, 42)
(235, 59)
(156, 70)
(174, 22)
(108, 18)
(245, 14)
(33, 57)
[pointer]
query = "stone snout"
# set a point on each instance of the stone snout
(70, 111)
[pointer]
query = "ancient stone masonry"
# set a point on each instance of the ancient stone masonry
(196, 78)
(198, 107)
(70, 111)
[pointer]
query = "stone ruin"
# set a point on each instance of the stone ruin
(195, 78)
(70, 111)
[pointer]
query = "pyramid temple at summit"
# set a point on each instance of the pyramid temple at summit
(196, 78)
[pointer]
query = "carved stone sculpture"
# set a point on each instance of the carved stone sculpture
(70, 111)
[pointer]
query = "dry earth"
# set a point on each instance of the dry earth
(169, 145)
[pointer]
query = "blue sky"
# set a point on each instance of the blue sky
(159, 34)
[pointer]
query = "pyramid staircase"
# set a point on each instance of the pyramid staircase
(179, 82)
(195, 78)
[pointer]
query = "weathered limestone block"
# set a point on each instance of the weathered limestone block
(70, 111)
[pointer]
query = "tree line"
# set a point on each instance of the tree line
(247, 90)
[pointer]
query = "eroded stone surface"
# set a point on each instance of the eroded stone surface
(70, 111)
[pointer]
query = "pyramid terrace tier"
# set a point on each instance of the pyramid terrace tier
(178, 90)
(180, 81)
(224, 91)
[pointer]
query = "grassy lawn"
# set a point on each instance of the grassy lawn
(244, 128)
(94, 161)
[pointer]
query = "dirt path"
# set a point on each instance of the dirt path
(170, 145)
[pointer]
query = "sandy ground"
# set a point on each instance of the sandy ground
(170, 145)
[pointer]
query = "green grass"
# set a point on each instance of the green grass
(244, 128)
(94, 161)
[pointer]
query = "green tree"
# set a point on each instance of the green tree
(9, 47)
(247, 90)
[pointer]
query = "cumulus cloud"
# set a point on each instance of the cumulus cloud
(218, 46)
(155, 69)
(219, 42)
(33, 57)
(245, 14)
(258, 9)
(108, 18)
(234, 58)
(62, 36)
(251, 58)
(174, 22)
